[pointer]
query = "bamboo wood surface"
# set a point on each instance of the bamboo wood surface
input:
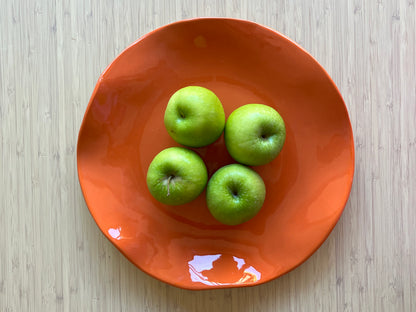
(53, 256)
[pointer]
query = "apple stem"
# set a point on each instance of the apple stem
(169, 179)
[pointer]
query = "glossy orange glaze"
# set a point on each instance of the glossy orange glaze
(307, 185)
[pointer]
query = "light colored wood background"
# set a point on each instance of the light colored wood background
(52, 255)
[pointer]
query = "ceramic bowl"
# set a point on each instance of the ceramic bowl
(307, 185)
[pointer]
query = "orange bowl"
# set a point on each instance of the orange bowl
(307, 185)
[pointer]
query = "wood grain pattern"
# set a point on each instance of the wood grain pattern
(53, 256)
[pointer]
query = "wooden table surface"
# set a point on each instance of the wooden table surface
(53, 257)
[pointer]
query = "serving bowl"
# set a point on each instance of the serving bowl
(307, 185)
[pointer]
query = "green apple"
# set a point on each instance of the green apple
(254, 134)
(235, 194)
(194, 116)
(176, 176)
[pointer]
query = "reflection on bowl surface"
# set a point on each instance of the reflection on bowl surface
(221, 269)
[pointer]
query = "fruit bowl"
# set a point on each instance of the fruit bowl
(307, 185)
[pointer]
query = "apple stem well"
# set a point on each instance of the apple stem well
(234, 191)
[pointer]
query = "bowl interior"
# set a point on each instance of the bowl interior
(307, 184)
